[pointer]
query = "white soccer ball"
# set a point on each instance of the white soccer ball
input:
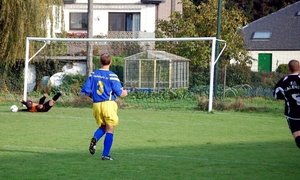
(14, 108)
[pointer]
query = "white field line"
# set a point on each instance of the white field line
(250, 116)
(90, 117)
(148, 155)
(52, 115)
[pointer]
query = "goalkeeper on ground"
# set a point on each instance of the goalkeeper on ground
(42, 106)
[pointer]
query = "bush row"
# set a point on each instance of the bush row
(238, 78)
(235, 75)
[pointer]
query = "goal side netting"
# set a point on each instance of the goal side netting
(149, 64)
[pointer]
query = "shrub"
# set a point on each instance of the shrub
(11, 77)
(259, 92)
(199, 76)
(202, 103)
(200, 90)
(125, 48)
(236, 75)
(265, 79)
(165, 94)
(236, 91)
(283, 68)
(71, 84)
(236, 104)
(81, 101)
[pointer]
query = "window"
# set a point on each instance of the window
(78, 21)
(261, 35)
(124, 22)
(69, 1)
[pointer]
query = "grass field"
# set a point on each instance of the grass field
(148, 144)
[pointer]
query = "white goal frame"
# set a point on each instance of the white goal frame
(214, 59)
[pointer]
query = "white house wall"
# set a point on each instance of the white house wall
(278, 57)
(165, 9)
(148, 18)
(57, 22)
(100, 14)
(109, 1)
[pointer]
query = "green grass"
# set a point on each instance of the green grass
(148, 144)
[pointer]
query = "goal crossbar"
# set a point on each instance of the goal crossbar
(45, 40)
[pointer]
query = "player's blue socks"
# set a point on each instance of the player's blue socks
(109, 137)
(99, 133)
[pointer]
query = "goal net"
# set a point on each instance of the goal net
(148, 64)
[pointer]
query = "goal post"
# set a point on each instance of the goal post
(145, 45)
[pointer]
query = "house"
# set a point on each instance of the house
(274, 39)
(118, 18)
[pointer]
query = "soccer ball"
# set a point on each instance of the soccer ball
(14, 108)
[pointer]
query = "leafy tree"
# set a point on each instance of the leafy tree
(201, 21)
(20, 19)
(255, 9)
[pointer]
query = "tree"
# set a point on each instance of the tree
(20, 19)
(201, 21)
(255, 9)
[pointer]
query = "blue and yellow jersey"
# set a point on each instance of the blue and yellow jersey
(102, 85)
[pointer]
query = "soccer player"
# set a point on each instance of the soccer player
(288, 88)
(103, 86)
(41, 106)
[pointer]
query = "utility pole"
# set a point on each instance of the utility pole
(89, 52)
(217, 47)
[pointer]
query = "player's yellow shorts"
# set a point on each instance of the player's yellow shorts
(106, 113)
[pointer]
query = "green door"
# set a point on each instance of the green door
(265, 62)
